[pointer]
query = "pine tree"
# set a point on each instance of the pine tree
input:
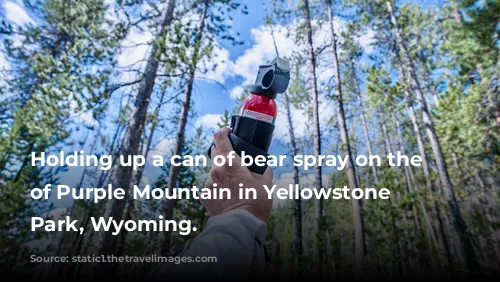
(123, 175)
(212, 24)
(458, 223)
(59, 68)
(346, 148)
(316, 132)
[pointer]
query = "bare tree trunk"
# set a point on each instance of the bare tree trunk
(359, 236)
(298, 203)
(458, 223)
(168, 207)
(293, 146)
(149, 248)
(388, 149)
(77, 245)
(173, 175)
(73, 206)
(431, 238)
(431, 87)
(440, 226)
(114, 208)
(363, 122)
(138, 176)
(387, 139)
(318, 253)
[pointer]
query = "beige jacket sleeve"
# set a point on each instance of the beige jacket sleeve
(235, 239)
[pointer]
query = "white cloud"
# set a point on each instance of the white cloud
(219, 64)
(286, 178)
(262, 51)
(130, 57)
(133, 55)
(209, 121)
(366, 40)
(16, 13)
(79, 115)
(299, 120)
(164, 147)
(236, 92)
(87, 118)
(136, 44)
(112, 14)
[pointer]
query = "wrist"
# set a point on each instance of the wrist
(253, 209)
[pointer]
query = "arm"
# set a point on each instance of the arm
(235, 233)
(235, 238)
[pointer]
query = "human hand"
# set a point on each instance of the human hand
(231, 176)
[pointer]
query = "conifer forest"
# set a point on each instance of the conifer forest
(159, 77)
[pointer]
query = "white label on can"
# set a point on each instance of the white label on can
(257, 116)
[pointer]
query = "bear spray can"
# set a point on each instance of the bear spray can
(253, 128)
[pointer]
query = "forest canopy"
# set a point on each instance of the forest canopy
(123, 81)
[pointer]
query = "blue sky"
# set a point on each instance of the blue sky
(211, 99)
(236, 69)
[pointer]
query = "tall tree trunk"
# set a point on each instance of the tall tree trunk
(147, 251)
(430, 86)
(363, 122)
(431, 238)
(458, 223)
(318, 253)
(78, 243)
(138, 176)
(168, 207)
(293, 146)
(123, 176)
(395, 230)
(73, 206)
(439, 226)
(359, 236)
(298, 203)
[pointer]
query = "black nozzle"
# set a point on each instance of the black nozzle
(272, 78)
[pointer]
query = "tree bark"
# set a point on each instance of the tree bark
(441, 225)
(298, 203)
(293, 146)
(388, 149)
(318, 253)
(431, 238)
(168, 207)
(363, 122)
(114, 208)
(430, 86)
(73, 206)
(359, 236)
(138, 176)
(458, 223)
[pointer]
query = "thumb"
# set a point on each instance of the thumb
(268, 174)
